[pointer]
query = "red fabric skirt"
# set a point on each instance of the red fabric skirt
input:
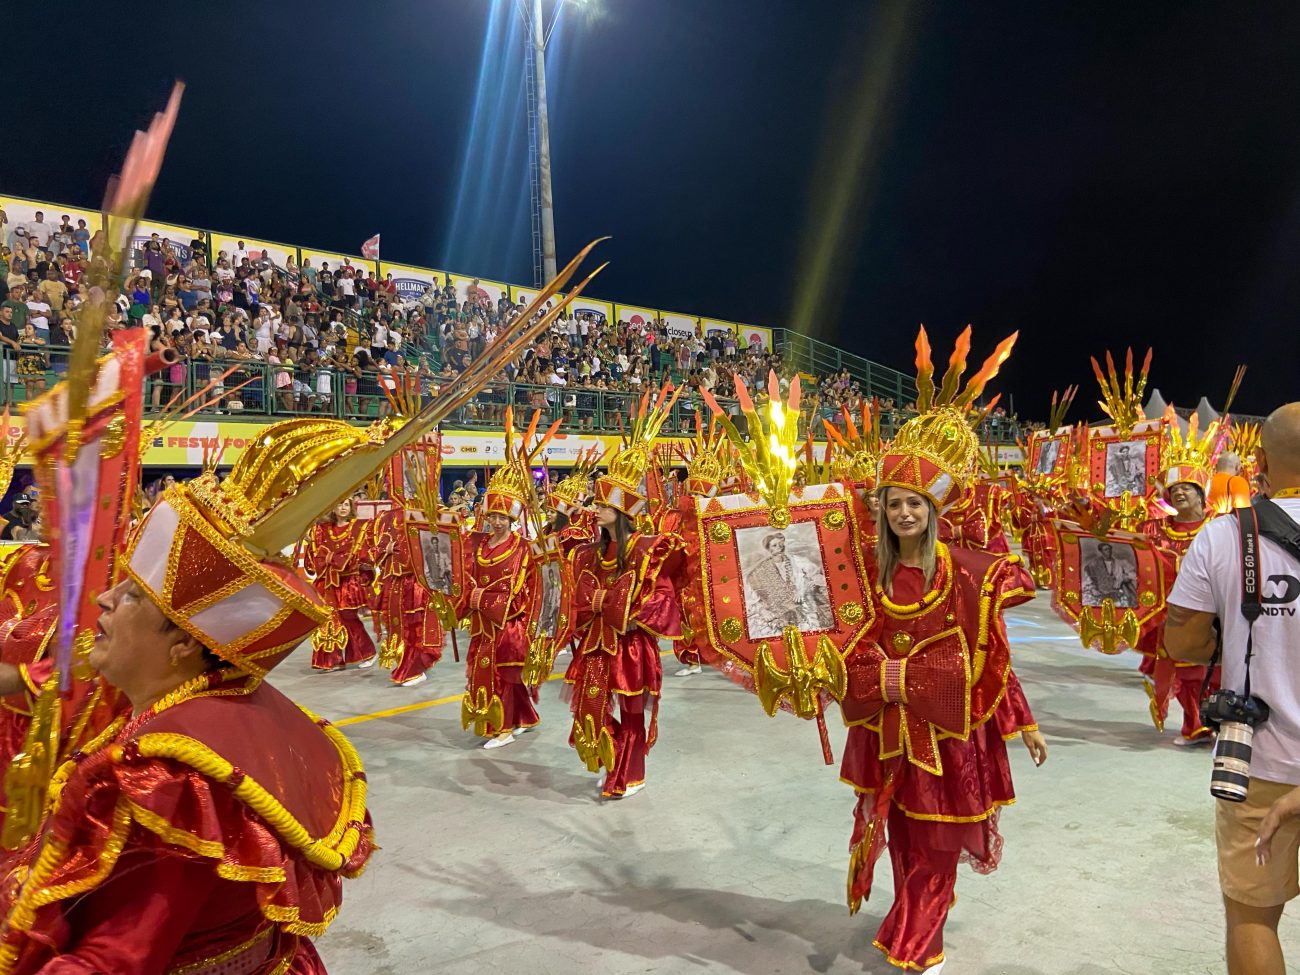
(976, 780)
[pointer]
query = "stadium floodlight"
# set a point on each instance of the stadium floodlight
(539, 31)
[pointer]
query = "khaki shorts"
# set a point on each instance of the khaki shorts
(1235, 827)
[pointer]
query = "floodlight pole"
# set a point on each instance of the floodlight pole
(543, 144)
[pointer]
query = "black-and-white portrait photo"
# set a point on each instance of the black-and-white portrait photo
(784, 580)
(1126, 468)
(436, 547)
(548, 619)
(1109, 571)
(1048, 451)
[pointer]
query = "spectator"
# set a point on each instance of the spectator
(31, 361)
(39, 232)
(81, 237)
(9, 343)
(38, 314)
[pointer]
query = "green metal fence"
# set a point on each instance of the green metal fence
(259, 390)
(820, 359)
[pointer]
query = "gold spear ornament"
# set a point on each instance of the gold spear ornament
(1107, 630)
(596, 749)
(802, 685)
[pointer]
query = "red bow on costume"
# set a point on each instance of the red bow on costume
(916, 695)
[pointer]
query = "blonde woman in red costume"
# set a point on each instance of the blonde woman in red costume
(932, 699)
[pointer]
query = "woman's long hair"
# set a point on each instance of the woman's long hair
(887, 552)
(623, 532)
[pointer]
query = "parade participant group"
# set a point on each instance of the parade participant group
(168, 810)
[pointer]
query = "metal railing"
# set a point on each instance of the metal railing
(821, 359)
(258, 390)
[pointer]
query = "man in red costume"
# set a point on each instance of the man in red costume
(413, 634)
(1185, 479)
(208, 830)
(338, 554)
(497, 590)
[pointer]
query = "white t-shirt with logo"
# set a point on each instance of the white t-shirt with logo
(1210, 581)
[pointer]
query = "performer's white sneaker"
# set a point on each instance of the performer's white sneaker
(523, 731)
(688, 670)
(563, 652)
(501, 740)
(367, 664)
(417, 679)
(936, 969)
(633, 790)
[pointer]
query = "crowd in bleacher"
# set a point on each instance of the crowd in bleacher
(333, 339)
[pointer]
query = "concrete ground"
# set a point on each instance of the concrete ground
(733, 859)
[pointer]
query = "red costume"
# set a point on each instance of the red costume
(1170, 678)
(409, 619)
(208, 833)
(1038, 539)
(690, 648)
(928, 760)
(624, 604)
(28, 611)
(1186, 458)
(580, 530)
(620, 616)
(337, 556)
(710, 470)
(160, 857)
(976, 522)
(497, 594)
(925, 750)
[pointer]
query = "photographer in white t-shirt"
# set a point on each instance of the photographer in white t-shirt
(1257, 878)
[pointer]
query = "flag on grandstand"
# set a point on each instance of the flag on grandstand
(370, 249)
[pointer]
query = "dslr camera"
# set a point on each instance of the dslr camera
(1235, 717)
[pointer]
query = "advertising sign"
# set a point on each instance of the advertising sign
(494, 290)
(634, 314)
(682, 326)
(20, 212)
(411, 281)
(278, 254)
(756, 337)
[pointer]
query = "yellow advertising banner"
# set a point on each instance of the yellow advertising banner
(411, 281)
(177, 236)
(681, 326)
(184, 444)
(230, 243)
(20, 211)
(755, 336)
(712, 325)
(495, 289)
(601, 311)
(335, 260)
(634, 314)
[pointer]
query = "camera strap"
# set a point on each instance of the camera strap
(1252, 605)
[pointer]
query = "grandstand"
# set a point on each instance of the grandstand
(309, 332)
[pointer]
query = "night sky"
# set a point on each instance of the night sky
(1093, 176)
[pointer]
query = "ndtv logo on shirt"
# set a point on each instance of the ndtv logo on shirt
(1279, 589)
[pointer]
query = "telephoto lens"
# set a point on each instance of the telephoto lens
(1231, 775)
